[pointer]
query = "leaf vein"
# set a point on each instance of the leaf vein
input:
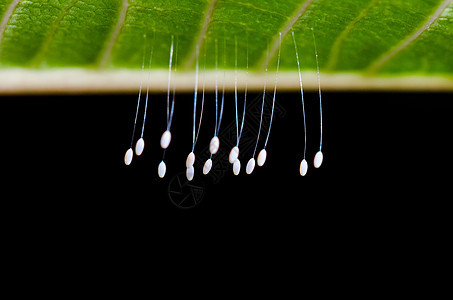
(284, 31)
(6, 17)
(201, 35)
(108, 50)
(333, 57)
(45, 45)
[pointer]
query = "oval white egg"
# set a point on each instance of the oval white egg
(162, 169)
(190, 172)
(139, 146)
(262, 157)
(234, 154)
(303, 167)
(236, 167)
(165, 139)
(214, 145)
(250, 166)
(318, 159)
(128, 156)
(190, 159)
(207, 166)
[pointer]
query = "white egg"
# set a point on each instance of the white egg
(250, 166)
(165, 139)
(236, 167)
(128, 156)
(214, 145)
(207, 166)
(190, 159)
(303, 167)
(162, 169)
(318, 159)
(139, 146)
(190, 172)
(234, 154)
(262, 157)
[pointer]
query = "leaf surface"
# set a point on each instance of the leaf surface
(366, 43)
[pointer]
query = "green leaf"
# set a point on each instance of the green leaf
(89, 45)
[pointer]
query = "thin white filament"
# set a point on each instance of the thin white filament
(275, 91)
(216, 85)
(262, 106)
(169, 79)
(319, 88)
(195, 95)
(147, 88)
(245, 94)
(140, 90)
(216, 88)
(202, 99)
(174, 89)
(168, 89)
(236, 87)
(223, 86)
(301, 94)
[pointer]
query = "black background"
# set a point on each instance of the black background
(387, 164)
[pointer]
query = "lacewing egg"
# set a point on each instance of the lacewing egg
(139, 146)
(303, 167)
(165, 139)
(236, 167)
(234, 154)
(250, 166)
(214, 145)
(190, 160)
(207, 166)
(318, 159)
(162, 169)
(190, 172)
(128, 156)
(262, 157)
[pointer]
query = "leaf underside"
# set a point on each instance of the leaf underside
(369, 38)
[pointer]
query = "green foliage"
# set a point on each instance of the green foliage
(358, 36)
